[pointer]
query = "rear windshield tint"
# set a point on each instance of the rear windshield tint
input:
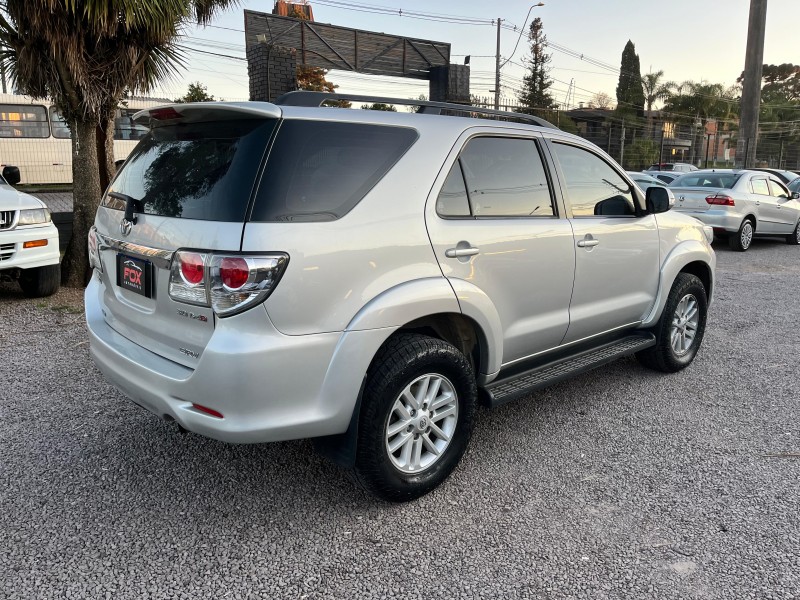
(319, 170)
(713, 180)
(195, 171)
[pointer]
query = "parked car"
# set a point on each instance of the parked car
(28, 240)
(681, 167)
(786, 177)
(666, 176)
(740, 204)
(266, 272)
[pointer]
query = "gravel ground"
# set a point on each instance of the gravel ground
(622, 483)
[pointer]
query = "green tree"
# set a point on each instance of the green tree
(654, 90)
(630, 93)
(197, 92)
(85, 56)
(379, 106)
(697, 104)
(537, 82)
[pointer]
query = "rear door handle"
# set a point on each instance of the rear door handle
(588, 243)
(461, 252)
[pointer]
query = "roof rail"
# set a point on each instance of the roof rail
(317, 99)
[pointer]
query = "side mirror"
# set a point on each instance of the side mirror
(11, 175)
(795, 195)
(657, 199)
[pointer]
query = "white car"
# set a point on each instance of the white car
(28, 240)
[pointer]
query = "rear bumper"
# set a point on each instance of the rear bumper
(13, 255)
(718, 219)
(268, 386)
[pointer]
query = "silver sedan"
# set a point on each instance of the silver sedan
(740, 204)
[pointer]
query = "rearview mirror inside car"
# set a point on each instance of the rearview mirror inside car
(657, 199)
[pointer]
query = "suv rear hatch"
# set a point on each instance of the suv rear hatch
(187, 185)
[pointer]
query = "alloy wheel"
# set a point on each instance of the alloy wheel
(685, 322)
(746, 235)
(421, 423)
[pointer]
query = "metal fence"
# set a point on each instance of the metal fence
(637, 143)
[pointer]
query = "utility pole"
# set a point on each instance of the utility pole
(622, 144)
(497, 69)
(751, 92)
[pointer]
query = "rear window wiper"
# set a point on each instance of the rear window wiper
(132, 205)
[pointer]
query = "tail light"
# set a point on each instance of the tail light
(720, 199)
(94, 251)
(229, 284)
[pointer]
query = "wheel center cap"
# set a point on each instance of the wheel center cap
(423, 423)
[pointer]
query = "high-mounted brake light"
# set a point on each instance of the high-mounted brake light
(229, 284)
(720, 199)
(165, 114)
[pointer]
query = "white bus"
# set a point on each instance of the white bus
(35, 138)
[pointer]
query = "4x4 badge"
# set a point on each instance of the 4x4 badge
(125, 226)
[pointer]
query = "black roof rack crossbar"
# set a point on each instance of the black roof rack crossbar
(317, 99)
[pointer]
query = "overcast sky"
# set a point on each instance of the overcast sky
(687, 39)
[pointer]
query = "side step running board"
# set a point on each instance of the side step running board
(511, 388)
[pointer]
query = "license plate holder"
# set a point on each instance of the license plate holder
(134, 275)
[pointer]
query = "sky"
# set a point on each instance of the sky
(699, 40)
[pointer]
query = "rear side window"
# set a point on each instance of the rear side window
(504, 177)
(320, 170)
(759, 186)
(196, 171)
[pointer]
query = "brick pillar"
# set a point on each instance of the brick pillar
(450, 84)
(272, 71)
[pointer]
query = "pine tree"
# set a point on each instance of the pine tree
(536, 83)
(630, 93)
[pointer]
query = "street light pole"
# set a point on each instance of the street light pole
(497, 69)
(497, 65)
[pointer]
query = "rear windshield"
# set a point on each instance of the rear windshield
(713, 180)
(195, 171)
(319, 170)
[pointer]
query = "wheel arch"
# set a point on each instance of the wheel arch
(691, 256)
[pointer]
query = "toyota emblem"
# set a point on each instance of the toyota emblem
(125, 226)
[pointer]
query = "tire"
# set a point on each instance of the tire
(410, 363)
(40, 281)
(742, 239)
(793, 239)
(664, 356)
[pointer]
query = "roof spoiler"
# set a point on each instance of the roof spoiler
(197, 112)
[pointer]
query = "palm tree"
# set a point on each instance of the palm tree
(655, 90)
(85, 56)
(698, 103)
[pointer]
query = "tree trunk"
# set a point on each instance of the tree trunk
(75, 271)
(105, 152)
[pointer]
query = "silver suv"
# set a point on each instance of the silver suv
(267, 272)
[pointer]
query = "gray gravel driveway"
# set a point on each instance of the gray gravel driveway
(622, 483)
